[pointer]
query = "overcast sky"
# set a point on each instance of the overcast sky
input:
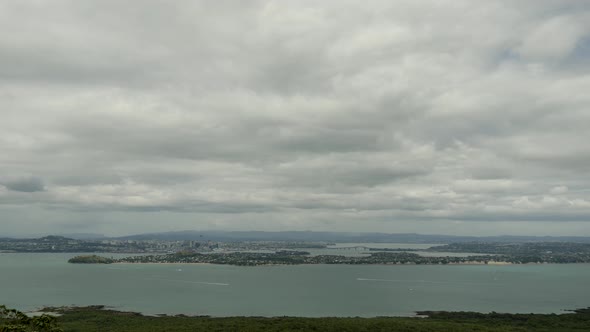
(451, 117)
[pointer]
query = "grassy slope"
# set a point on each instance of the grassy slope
(91, 319)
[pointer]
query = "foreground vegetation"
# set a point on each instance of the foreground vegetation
(96, 318)
(91, 319)
(12, 320)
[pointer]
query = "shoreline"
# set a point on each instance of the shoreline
(154, 263)
(61, 310)
(498, 263)
(495, 263)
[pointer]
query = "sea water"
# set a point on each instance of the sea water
(31, 281)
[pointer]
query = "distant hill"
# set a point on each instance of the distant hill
(84, 236)
(70, 236)
(341, 237)
(309, 236)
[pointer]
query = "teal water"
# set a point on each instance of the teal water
(30, 281)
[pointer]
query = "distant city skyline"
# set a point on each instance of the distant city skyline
(451, 117)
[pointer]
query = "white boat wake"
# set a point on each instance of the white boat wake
(192, 282)
(425, 281)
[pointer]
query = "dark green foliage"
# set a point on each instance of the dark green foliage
(12, 320)
(95, 319)
(90, 259)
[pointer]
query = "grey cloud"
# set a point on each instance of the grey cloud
(343, 172)
(295, 115)
(24, 184)
(491, 173)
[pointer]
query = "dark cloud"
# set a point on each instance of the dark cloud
(25, 184)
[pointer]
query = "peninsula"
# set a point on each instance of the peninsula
(484, 253)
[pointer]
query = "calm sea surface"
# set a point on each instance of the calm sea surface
(30, 281)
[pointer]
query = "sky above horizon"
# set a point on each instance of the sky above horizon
(451, 117)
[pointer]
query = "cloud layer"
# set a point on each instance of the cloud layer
(432, 116)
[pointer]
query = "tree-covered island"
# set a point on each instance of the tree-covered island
(91, 259)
